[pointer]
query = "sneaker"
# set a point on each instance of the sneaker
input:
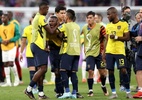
(65, 95)
(113, 96)
(138, 95)
(73, 96)
(90, 94)
(79, 95)
(106, 93)
(29, 94)
(42, 97)
(16, 83)
(84, 80)
(129, 96)
(6, 84)
(34, 90)
(122, 88)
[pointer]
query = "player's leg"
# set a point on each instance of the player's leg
(110, 62)
(90, 65)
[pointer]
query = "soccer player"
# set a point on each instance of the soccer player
(19, 69)
(26, 38)
(94, 36)
(138, 39)
(9, 34)
(40, 29)
(70, 51)
(117, 33)
(54, 45)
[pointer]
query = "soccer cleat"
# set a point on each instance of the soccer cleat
(90, 94)
(129, 96)
(79, 95)
(6, 84)
(58, 95)
(65, 95)
(44, 97)
(73, 96)
(122, 88)
(113, 96)
(106, 93)
(138, 95)
(29, 94)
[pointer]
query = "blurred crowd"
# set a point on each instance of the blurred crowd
(33, 3)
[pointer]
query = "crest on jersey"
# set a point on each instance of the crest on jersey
(118, 27)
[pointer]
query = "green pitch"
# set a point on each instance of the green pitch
(16, 93)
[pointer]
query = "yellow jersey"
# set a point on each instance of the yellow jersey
(27, 34)
(118, 29)
(9, 32)
(38, 31)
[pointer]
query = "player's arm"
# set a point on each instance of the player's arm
(16, 34)
(50, 30)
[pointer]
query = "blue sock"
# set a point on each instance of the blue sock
(65, 80)
(74, 80)
(126, 82)
(59, 85)
(40, 88)
(32, 74)
(32, 83)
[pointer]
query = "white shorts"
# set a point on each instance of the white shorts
(9, 55)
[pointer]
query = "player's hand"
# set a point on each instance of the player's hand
(138, 38)
(4, 42)
(112, 36)
(21, 57)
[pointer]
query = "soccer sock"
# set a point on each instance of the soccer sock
(90, 83)
(74, 80)
(83, 70)
(126, 82)
(111, 81)
(59, 85)
(103, 80)
(40, 88)
(32, 83)
(65, 80)
(14, 69)
(7, 74)
(32, 74)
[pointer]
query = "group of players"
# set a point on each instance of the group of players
(60, 40)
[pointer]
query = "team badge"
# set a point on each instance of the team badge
(118, 27)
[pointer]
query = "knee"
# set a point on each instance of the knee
(123, 70)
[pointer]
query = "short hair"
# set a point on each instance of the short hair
(124, 8)
(71, 14)
(90, 13)
(113, 10)
(53, 17)
(58, 8)
(100, 15)
(43, 3)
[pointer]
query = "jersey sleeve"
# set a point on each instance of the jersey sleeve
(126, 29)
(24, 35)
(43, 21)
(62, 28)
(16, 35)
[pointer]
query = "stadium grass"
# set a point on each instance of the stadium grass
(17, 93)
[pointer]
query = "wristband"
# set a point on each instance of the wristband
(116, 37)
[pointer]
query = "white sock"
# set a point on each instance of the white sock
(7, 74)
(140, 89)
(14, 69)
(52, 77)
(29, 88)
(41, 93)
(84, 70)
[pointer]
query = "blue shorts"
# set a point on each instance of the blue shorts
(54, 59)
(69, 62)
(138, 63)
(40, 56)
(119, 59)
(92, 61)
(30, 61)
